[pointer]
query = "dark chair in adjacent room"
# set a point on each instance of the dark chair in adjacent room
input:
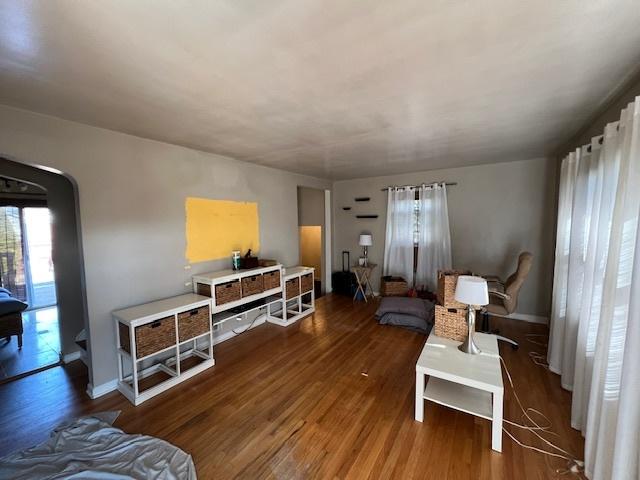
(11, 316)
(503, 295)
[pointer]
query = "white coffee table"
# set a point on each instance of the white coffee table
(469, 383)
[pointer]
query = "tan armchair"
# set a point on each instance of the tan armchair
(503, 295)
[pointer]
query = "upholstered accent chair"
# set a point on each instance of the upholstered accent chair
(503, 295)
(11, 316)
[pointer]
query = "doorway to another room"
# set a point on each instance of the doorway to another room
(312, 231)
(27, 273)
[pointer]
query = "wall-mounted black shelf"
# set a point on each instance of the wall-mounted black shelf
(346, 208)
(362, 199)
(366, 216)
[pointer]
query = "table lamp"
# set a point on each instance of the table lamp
(472, 291)
(366, 240)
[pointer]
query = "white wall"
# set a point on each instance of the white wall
(132, 194)
(495, 212)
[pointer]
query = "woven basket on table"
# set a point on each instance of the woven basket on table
(451, 323)
(447, 281)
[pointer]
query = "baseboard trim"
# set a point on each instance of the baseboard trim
(102, 389)
(525, 317)
(72, 357)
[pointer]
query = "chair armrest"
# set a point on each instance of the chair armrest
(495, 293)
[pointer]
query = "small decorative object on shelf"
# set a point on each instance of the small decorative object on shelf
(362, 199)
(235, 259)
(248, 261)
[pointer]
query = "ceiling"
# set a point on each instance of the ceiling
(331, 88)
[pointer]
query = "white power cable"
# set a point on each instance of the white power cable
(574, 465)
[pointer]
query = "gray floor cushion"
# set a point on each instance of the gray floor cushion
(413, 313)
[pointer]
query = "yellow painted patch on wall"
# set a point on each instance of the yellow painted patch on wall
(215, 228)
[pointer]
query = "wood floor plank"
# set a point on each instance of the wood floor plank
(330, 397)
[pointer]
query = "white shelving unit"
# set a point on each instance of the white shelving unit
(298, 298)
(209, 284)
(153, 352)
(173, 356)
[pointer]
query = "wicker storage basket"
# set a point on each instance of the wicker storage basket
(451, 323)
(271, 280)
(252, 285)
(306, 283)
(292, 288)
(393, 287)
(228, 292)
(447, 280)
(193, 323)
(150, 338)
(203, 289)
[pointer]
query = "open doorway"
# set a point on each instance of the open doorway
(32, 341)
(313, 234)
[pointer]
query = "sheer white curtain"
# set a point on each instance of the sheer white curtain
(594, 339)
(434, 237)
(558, 337)
(398, 246)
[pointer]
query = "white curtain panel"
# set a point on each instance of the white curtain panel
(594, 337)
(398, 246)
(434, 236)
(598, 198)
(557, 337)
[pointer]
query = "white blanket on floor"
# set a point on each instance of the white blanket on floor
(91, 448)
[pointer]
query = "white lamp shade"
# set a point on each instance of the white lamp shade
(366, 240)
(472, 290)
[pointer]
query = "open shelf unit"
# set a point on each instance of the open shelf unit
(169, 360)
(299, 297)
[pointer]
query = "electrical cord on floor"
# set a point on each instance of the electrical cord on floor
(538, 358)
(250, 325)
(574, 465)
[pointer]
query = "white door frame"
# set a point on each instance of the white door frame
(327, 242)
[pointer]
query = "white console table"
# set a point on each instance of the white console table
(161, 344)
(283, 295)
(469, 383)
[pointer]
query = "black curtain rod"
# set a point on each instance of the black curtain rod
(448, 184)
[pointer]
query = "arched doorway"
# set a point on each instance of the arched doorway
(66, 249)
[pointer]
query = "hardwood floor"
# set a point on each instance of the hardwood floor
(330, 397)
